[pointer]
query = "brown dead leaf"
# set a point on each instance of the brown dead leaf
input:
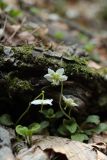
(12, 28)
(26, 36)
(97, 138)
(32, 154)
(73, 150)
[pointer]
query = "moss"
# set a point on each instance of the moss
(102, 72)
(84, 71)
(19, 85)
(23, 53)
(74, 66)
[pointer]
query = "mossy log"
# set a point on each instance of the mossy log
(21, 79)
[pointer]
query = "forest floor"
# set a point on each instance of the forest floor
(78, 29)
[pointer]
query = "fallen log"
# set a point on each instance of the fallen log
(21, 79)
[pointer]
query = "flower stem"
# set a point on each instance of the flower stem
(30, 140)
(27, 109)
(60, 102)
(23, 114)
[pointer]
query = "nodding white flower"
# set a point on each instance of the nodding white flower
(42, 102)
(69, 102)
(56, 77)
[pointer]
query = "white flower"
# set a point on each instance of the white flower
(56, 77)
(69, 102)
(42, 102)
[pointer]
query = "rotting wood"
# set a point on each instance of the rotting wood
(22, 70)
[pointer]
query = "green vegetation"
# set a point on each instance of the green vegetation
(27, 132)
(59, 35)
(68, 127)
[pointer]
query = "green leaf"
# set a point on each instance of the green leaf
(100, 128)
(59, 35)
(48, 113)
(93, 119)
(44, 124)
(5, 119)
(72, 127)
(89, 132)
(13, 12)
(62, 130)
(79, 137)
(58, 114)
(22, 130)
(34, 127)
(89, 47)
(3, 5)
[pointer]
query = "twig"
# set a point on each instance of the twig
(15, 32)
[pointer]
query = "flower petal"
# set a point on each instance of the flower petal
(64, 98)
(50, 71)
(63, 78)
(55, 83)
(69, 102)
(37, 102)
(74, 104)
(42, 102)
(60, 71)
(48, 77)
(49, 101)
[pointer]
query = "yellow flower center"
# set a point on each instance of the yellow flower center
(56, 76)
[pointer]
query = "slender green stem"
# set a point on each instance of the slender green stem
(45, 87)
(70, 111)
(23, 114)
(30, 140)
(60, 102)
(27, 109)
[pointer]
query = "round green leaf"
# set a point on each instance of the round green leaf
(79, 137)
(22, 130)
(58, 114)
(44, 124)
(62, 130)
(72, 127)
(5, 119)
(100, 128)
(34, 127)
(93, 119)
